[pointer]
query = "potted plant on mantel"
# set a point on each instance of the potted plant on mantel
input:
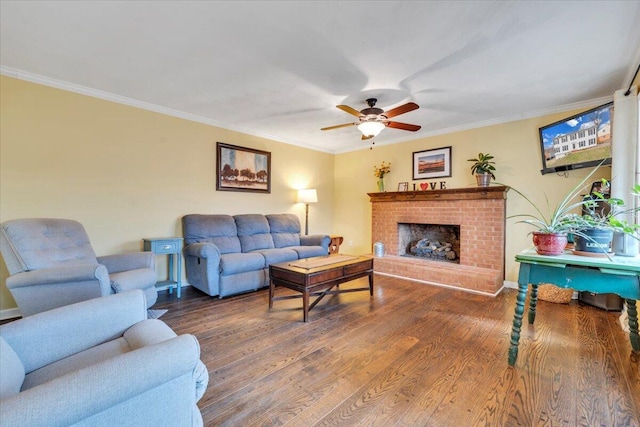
(552, 229)
(483, 169)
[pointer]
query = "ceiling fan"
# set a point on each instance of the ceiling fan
(372, 120)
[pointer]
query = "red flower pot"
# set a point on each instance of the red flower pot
(549, 243)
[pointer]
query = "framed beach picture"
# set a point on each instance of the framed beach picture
(242, 169)
(430, 164)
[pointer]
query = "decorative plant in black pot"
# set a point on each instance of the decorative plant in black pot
(594, 229)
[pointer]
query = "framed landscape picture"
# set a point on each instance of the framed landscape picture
(242, 169)
(430, 164)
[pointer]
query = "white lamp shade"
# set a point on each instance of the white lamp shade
(307, 196)
(370, 128)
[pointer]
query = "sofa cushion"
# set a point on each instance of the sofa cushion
(217, 229)
(11, 371)
(74, 362)
(276, 255)
(285, 229)
(142, 334)
(241, 263)
(253, 232)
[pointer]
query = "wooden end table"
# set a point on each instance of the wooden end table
(317, 276)
(620, 276)
(334, 246)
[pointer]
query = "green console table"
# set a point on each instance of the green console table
(618, 275)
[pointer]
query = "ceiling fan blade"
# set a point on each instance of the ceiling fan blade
(365, 137)
(349, 110)
(410, 106)
(404, 126)
(339, 126)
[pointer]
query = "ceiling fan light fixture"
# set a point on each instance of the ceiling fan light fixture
(371, 128)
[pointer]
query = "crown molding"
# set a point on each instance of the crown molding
(107, 96)
(84, 90)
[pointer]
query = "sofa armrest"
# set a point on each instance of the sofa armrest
(59, 275)
(202, 250)
(108, 390)
(52, 335)
(316, 240)
(131, 261)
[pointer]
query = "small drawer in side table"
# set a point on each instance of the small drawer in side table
(168, 246)
(163, 246)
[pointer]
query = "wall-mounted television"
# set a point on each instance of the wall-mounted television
(579, 141)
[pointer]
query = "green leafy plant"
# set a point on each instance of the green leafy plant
(562, 219)
(597, 216)
(483, 164)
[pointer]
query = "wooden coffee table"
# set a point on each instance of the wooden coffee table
(318, 276)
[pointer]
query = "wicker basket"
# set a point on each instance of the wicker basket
(555, 294)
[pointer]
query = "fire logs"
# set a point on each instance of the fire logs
(434, 249)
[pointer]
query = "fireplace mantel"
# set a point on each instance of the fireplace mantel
(471, 193)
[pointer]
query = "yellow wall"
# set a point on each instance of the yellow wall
(127, 173)
(516, 148)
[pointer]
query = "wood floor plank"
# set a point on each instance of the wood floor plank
(411, 355)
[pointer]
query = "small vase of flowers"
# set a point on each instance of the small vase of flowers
(380, 172)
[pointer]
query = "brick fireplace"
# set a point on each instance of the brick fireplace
(479, 212)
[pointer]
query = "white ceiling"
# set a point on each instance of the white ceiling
(278, 69)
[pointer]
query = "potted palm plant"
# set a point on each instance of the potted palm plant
(483, 169)
(552, 227)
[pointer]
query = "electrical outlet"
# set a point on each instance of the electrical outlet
(350, 242)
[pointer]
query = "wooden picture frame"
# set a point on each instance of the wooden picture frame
(242, 169)
(429, 164)
(403, 186)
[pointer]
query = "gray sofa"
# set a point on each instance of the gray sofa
(99, 363)
(226, 255)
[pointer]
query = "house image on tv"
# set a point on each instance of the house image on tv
(574, 141)
(604, 134)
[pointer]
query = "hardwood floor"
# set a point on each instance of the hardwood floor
(411, 355)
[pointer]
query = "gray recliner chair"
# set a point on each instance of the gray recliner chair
(99, 363)
(52, 264)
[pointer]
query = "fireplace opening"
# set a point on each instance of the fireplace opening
(437, 242)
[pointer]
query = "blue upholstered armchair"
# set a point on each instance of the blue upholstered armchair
(52, 264)
(99, 363)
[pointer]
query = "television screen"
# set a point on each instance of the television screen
(579, 141)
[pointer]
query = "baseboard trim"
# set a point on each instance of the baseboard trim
(510, 285)
(442, 285)
(10, 313)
